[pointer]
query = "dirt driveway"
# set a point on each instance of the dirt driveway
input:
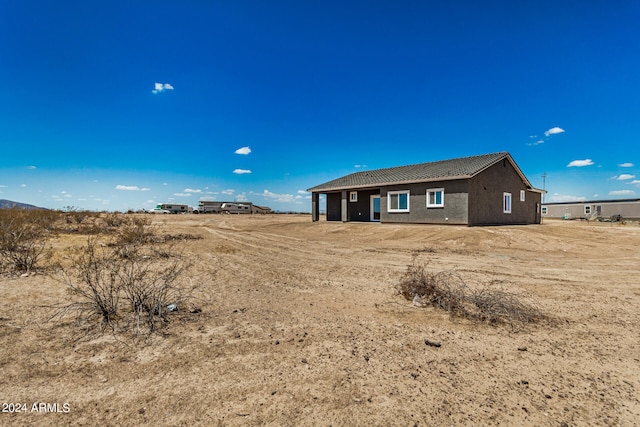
(301, 325)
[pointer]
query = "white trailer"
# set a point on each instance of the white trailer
(172, 208)
(237, 208)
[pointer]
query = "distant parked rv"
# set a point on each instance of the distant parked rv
(171, 208)
(593, 209)
(208, 206)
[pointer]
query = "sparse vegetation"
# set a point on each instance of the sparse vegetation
(490, 302)
(127, 285)
(24, 239)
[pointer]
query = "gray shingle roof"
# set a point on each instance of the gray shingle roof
(461, 168)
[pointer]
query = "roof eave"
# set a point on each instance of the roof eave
(385, 184)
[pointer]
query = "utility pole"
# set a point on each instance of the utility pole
(544, 185)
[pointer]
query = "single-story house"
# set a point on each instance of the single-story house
(592, 209)
(489, 189)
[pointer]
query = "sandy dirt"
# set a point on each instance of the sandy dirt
(301, 325)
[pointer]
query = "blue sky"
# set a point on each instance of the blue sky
(124, 104)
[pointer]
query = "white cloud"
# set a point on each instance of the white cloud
(241, 171)
(31, 167)
(302, 192)
(557, 197)
(285, 198)
(625, 176)
(23, 185)
(190, 190)
(580, 163)
(359, 166)
(243, 150)
(242, 197)
(182, 194)
(635, 182)
(622, 193)
(538, 142)
(626, 165)
(131, 188)
(161, 87)
(228, 192)
(553, 131)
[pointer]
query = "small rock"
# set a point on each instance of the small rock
(522, 348)
(417, 301)
(432, 343)
(142, 410)
(24, 275)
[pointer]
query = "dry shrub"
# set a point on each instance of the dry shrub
(442, 289)
(134, 230)
(448, 290)
(496, 304)
(24, 238)
(130, 294)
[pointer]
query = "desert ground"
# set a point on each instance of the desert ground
(301, 324)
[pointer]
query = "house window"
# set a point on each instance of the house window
(506, 202)
(587, 209)
(544, 210)
(522, 192)
(435, 198)
(353, 196)
(398, 201)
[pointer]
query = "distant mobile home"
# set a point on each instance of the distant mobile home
(488, 189)
(593, 209)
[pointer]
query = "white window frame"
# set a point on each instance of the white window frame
(544, 210)
(353, 196)
(522, 195)
(434, 191)
(587, 208)
(397, 193)
(506, 202)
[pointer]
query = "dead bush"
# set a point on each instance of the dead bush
(130, 294)
(24, 238)
(134, 230)
(94, 280)
(493, 303)
(448, 290)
